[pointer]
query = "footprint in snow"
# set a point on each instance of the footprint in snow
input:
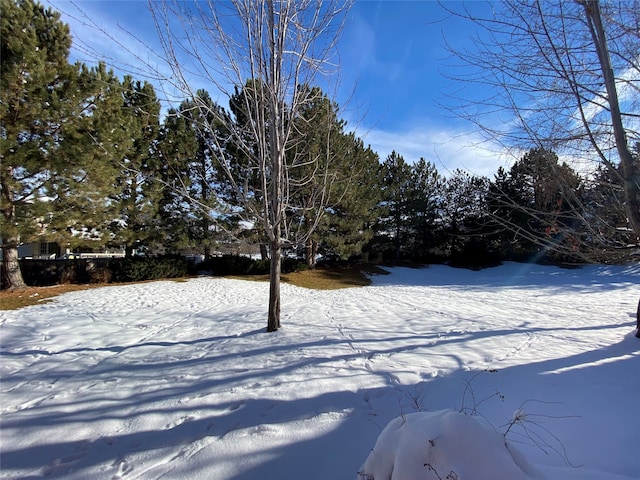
(177, 423)
(123, 469)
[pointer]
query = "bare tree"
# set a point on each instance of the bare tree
(264, 54)
(562, 76)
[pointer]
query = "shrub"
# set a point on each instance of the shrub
(139, 269)
(290, 265)
(40, 273)
(475, 254)
(241, 265)
(99, 272)
(226, 265)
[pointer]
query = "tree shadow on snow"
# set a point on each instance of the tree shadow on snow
(593, 380)
(516, 275)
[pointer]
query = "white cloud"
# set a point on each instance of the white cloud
(446, 148)
(627, 89)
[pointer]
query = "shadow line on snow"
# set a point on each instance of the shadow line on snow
(109, 367)
(122, 348)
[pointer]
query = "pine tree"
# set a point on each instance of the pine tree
(174, 151)
(606, 234)
(242, 187)
(538, 206)
(464, 212)
(134, 201)
(34, 71)
(193, 207)
(346, 227)
(52, 113)
(317, 133)
(396, 185)
(424, 203)
(91, 146)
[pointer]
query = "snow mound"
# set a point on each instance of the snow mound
(443, 444)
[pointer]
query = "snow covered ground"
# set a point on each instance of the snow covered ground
(178, 380)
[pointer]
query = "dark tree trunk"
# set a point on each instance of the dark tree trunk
(398, 240)
(273, 320)
(264, 254)
(638, 320)
(11, 273)
(311, 250)
(204, 187)
(627, 160)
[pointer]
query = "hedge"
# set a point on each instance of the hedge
(39, 273)
(137, 269)
(241, 265)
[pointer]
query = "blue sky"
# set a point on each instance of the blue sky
(392, 73)
(393, 51)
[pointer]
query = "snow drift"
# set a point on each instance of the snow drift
(441, 445)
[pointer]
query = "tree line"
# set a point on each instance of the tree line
(88, 159)
(539, 209)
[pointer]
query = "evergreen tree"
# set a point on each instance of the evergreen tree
(82, 208)
(135, 198)
(241, 185)
(396, 188)
(324, 170)
(322, 162)
(311, 152)
(424, 203)
(538, 206)
(34, 81)
(175, 150)
(464, 216)
(194, 207)
(52, 112)
(606, 234)
(347, 225)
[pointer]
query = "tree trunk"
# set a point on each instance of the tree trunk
(398, 240)
(311, 250)
(314, 252)
(273, 320)
(274, 161)
(629, 173)
(638, 320)
(307, 253)
(11, 273)
(454, 236)
(204, 187)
